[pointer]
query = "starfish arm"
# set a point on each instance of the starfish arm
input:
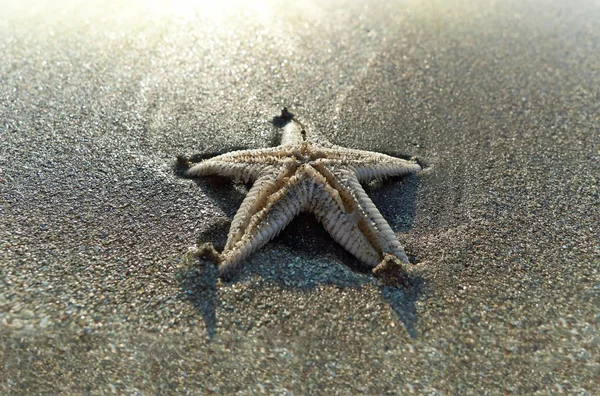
(243, 165)
(345, 223)
(365, 172)
(378, 228)
(369, 165)
(295, 133)
(389, 241)
(281, 207)
(291, 134)
(271, 180)
(236, 171)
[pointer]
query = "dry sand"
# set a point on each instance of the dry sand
(502, 98)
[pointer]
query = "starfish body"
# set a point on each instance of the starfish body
(307, 175)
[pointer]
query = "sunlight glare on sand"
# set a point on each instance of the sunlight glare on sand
(217, 11)
(130, 13)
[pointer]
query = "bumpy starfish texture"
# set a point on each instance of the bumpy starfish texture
(305, 173)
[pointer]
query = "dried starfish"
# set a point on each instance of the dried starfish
(307, 174)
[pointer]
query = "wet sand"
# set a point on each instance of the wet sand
(98, 295)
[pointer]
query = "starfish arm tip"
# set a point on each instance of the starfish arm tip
(182, 165)
(393, 271)
(423, 166)
(207, 252)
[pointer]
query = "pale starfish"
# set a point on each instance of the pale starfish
(307, 174)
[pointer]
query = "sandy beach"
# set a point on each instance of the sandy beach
(98, 294)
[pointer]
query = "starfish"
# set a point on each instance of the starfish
(306, 174)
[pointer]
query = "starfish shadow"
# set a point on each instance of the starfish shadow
(403, 301)
(198, 281)
(397, 205)
(305, 236)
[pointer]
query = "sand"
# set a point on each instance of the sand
(98, 296)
